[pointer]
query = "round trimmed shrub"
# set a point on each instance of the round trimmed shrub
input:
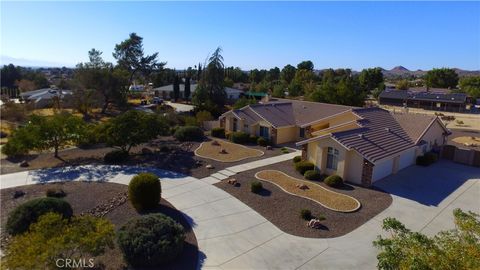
(115, 157)
(303, 166)
(312, 175)
(333, 181)
(144, 191)
(262, 141)
(253, 139)
(218, 132)
(256, 186)
(151, 240)
(27, 213)
(297, 159)
(306, 214)
(188, 133)
(239, 137)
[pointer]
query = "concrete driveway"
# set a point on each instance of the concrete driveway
(233, 236)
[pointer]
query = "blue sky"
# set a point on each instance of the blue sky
(417, 35)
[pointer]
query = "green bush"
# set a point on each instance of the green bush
(297, 159)
(303, 166)
(55, 192)
(256, 186)
(144, 191)
(312, 175)
(115, 157)
(253, 139)
(151, 240)
(285, 151)
(188, 133)
(333, 181)
(239, 137)
(262, 141)
(27, 213)
(218, 132)
(306, 214)
(427, 159)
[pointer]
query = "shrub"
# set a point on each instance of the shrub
(427, 159)
(256, 186)
(218, 132)
(333, 181)
(239, 137)
(285, 151)
(306, 214)
(27, 213)
(188, 133)
(151, 240)
(262, 141)
(203, 116)
(303, 166)
(253, 139)
(297, 159)
(144, 191)
(312, 175)
(115, 157)
(190, 121)
(55, 192)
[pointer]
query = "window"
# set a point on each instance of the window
(264, 132)
(332, 158)
(302, 133)
(234, 124)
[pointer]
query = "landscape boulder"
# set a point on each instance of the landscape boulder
(216, 143)
(302, 186)
(314, 223)
(24, 164)
(210, 166)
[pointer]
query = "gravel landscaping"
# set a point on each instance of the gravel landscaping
(223, 151)
(283, 209)
(329, 199)
(107, 200)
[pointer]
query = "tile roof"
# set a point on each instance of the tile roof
(414, 124)
(285, 112)
(379, 136)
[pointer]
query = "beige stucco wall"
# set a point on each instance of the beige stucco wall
(333, 121)
(434, 133)
(354, 168)
(317, 154)
(337, 129)
(287, 134)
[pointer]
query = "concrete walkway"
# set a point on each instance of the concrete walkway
(230, 171)
(233, 236)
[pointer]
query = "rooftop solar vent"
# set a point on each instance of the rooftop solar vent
(360, 135)
(387, 129)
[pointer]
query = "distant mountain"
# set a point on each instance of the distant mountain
(400, 71)
(5, 60)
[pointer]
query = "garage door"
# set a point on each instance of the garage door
(382, 170)
(407, 159)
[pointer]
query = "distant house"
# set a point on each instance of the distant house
(429, 100)
(138, 88)
(43, 98)
(167, 91)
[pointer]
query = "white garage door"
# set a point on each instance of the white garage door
(382, 170)
(407, 159)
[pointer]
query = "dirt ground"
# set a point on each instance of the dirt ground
(84, 196)
(459, 136)
(283, 209)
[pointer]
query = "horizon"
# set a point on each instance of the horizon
(332, 35)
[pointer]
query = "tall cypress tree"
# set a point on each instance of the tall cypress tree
(187, 88)
(176, 88)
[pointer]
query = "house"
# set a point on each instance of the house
(282, 120)
(42, 98)
(429, 100)
(376, 144)
(167, 91)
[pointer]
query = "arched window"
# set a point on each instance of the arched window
(332, 158)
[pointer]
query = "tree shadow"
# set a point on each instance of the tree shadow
(264, 193)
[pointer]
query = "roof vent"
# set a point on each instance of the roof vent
(360, 136)
(387, 129)
(304, 106)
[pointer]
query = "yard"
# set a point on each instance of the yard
(220, 150)
(87, 198)
(283, 209)
(327, 198)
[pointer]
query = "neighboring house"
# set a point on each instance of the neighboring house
(167, 91)
(282, 121)
(375, 145)
(136, 88)
(438, 101)
(42, 98)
